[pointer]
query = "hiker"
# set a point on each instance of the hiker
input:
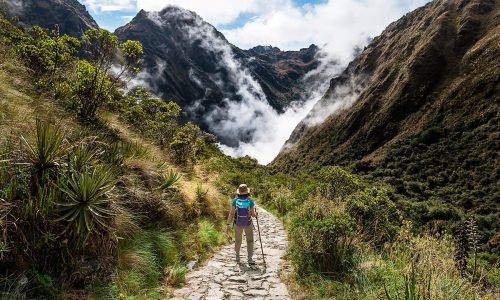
(242, 209)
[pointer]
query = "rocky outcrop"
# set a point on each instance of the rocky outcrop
(71, 16)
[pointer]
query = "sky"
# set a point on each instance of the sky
(287, 24)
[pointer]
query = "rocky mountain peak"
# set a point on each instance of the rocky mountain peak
(70, 15)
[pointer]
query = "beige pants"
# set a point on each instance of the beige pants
(238, 236)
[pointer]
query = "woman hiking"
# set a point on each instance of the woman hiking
(242, 209)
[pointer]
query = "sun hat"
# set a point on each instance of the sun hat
(243, 189)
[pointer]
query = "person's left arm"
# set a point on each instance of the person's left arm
(252, 209)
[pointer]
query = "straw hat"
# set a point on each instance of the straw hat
(243, 189)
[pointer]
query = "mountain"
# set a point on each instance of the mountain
(71, 16)
(418, 108)
(188, 61)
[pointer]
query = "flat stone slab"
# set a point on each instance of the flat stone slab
(223, 278)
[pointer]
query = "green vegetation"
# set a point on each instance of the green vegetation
(349, 239)
(94, 196)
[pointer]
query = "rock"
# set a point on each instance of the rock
(237, 279)
(254, 292)
(192, 264)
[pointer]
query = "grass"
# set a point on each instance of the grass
(142, 259)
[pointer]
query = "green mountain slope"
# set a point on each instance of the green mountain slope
(426, 119)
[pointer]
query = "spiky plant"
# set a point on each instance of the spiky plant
(169, 179)
(114, 154)
(86, 200)
(44, 155)
(82, 157)
(414, 288)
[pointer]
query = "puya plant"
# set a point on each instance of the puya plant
(169, 179)
(45, 154)
(86, 202)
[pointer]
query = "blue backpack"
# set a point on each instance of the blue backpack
(242, 212)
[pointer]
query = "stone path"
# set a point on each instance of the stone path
(223, 278)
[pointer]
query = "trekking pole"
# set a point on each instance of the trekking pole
(260, 238)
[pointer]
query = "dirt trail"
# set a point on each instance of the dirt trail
(223, 278)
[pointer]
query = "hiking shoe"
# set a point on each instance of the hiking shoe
(251, 262)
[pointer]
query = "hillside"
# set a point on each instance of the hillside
(70, 15)
(188, 61)
(426, 115)
(91, 209)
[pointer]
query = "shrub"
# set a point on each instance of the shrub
(44, 53)
(337, 182)
(152, 116)
(184, 142)
(321, 237)
(376, 214)
(95, 83)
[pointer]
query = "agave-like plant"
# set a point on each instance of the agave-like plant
(87, 201)
(169, 179)
(49, 147)
(82, 157)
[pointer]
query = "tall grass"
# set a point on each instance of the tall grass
(208, 236)
(142, 260)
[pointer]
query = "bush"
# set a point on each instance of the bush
(321, 235)
(337, 183)
(376, 213)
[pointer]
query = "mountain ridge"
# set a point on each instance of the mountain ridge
(194, 65)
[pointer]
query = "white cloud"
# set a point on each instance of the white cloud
(110, 5)
(339, 24)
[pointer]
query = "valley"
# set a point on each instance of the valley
(120, 153)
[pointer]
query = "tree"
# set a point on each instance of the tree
(107, 63)
(47, 54)
(153, 116)
(184, 142)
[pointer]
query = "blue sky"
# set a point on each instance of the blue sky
(288, 24)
